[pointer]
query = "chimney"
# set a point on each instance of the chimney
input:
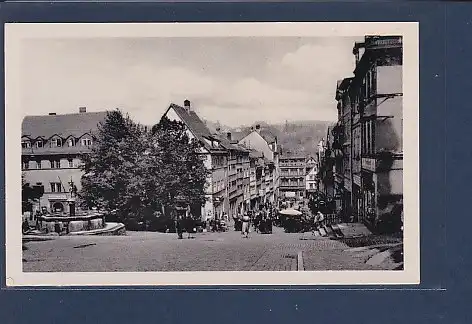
(52, 114)
(82, 109)
(187, 105)
(258, 128)
(228, 136)
(252, 128)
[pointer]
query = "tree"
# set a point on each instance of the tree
(134, 173)
(180, 168)
(113, 170)
(29, 194)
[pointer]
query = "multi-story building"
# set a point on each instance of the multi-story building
(52, 146)
(379, 117)
(215, 157)
(292, 175)
(367, 145)
(238, 182)
(263, 141)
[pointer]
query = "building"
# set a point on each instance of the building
(311, 182)
(52, 146)
(292, 176)
(311, 161)
(215, 157)
(238, 177)
(263, 141)
(364, 149)
(378, 122)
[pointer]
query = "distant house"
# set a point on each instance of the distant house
(311, 180)
(264, 142)
(51, 149)
(259, 139)
(292, 175)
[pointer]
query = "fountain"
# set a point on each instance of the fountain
(79, 222)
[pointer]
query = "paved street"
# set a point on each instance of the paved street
(149, 251)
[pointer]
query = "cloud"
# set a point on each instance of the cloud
(298, 83)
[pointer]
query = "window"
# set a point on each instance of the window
(55, 164)
(71, 163)
(39, 143)
(56, 187)
(56, 142)
(86, 142)
(25, 144)
(25, 165)
(38, 164)
(311, 185)
(71, 142)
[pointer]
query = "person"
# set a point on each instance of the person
(38, 220)
(319, 218)
(178, 228)
(25, 226)
(245, 227)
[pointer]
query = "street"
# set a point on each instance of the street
(227, 251)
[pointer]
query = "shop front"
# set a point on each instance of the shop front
(368, 198)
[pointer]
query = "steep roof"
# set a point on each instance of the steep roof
(63, 125)
(230, 145)
(240, 135)
(195, 125)
(265, 134)
(292, 155)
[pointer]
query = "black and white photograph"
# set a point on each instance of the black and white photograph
(212, 154)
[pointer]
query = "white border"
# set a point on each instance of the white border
(14, 33)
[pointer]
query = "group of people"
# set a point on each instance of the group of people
(261, 220)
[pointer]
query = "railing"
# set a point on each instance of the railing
(332, 219)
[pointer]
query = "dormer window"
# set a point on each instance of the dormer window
(71, 142)
(56, 142)
(86, 142)
(25, 144)
(39, 143)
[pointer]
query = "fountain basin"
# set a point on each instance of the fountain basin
(77, 223)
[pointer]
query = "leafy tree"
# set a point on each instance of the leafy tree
(29, 194)
(114, 167)
(135, 173)
(179, 167)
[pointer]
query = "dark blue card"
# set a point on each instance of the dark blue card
(443, 60)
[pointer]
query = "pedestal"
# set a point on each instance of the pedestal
(71, 203)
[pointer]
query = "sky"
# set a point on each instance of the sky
(233, 80)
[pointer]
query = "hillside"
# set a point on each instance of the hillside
(300, 136)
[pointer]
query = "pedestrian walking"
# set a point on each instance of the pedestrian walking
(179, 228)
(245, 226)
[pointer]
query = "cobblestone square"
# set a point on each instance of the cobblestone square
(228, 251)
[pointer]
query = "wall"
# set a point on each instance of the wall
(46, 176)
(390, 183)
(389, 130)
(389, 79)
(255, 141)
